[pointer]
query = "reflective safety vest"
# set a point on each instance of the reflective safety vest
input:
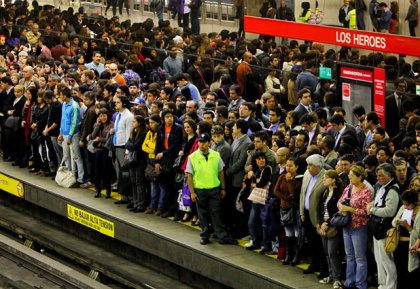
(353, 19)
(205, 172)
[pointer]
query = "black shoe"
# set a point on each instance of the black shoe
(204, 241)
(130, 206)
(121, 202)
(322, 275)
(139, 210)
(310, 270)
(166, 215)
(8, 159)
(22, 166)
(108, 196)
(177, 218)
(15, 164)
(97, 195)
(229, 241)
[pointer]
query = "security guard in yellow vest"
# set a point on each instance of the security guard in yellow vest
(206, 181)
(352, 19)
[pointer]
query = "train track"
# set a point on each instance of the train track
(22, 268)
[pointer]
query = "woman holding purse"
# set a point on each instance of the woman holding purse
(330, 236)
(287, 189)
(103, 162)
(258, 178)
(355, 235)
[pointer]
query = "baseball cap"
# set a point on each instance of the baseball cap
(204, 137)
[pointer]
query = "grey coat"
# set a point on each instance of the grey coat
(412, 12)
(237, 161)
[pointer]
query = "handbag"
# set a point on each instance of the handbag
(287, 216)
(90, 146)
(166, 165)
(331, 232)
(239, 205)
(12, 122)
(109, 145)
(259, 195)
(130, 161)
(178, 163)
(181, 205)
(392, 238)
(65, 177)
(379, 226)
(35, 136)
(151, 173)
(186, 195)
(339, 220)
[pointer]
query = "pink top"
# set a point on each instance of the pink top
(358, 201)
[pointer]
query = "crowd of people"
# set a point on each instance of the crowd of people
(238, 137)
(384, 17)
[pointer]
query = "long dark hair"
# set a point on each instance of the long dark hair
(136, 132)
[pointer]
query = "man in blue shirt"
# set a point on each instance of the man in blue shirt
(70, 133)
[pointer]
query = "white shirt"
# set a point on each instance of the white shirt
(125, 124)
(309, 189)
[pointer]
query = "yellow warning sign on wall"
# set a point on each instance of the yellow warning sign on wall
(90, 220)
(11, 186)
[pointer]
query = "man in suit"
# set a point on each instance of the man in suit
(305, 102)
(310, 196)
(245, 112)
(327, 148)
(235, 173)
(311, 126)
(7, 96)
(343, 13)
(9, 30)
(393, 107)
(341, 129)
(15, 136)
(235, 97)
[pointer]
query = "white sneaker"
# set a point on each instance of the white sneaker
(326, 280)
(337, 284)
(249, 244)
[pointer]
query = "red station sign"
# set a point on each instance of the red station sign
(334, 35)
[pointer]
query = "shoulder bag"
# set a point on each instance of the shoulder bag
(379, 226)
(12, 122)
(130, 161)
(65, 177)
(260, 195)
(287, 216)
(392, 238)
(339, 219)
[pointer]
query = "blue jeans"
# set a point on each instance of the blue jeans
(331, 248)
(254, 223)
(76, 162)
(258, 228)
(159, 13)
(355, 245)
(157, 196)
